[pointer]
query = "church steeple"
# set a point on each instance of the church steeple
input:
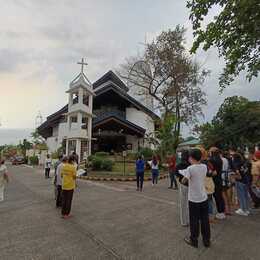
(79, 114)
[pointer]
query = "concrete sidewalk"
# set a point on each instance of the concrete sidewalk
(110, 221)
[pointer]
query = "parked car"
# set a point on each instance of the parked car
(18, 160)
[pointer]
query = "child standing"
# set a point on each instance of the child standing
(195, 175)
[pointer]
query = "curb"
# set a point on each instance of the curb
(123, 179)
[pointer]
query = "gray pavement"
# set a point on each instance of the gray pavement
(110, 221)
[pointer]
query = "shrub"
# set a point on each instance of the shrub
(34, 160)
(26, 159)
(107, 165)
(97, 163)
(101, 154)
(91, 157)
(146, 152)
(55, 155)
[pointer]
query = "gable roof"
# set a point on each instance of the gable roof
(126, 96)
(110, 75)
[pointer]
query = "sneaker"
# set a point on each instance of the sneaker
(241, 212)
(247, 212)
(220, 216)
(190, 243)
(206, 243)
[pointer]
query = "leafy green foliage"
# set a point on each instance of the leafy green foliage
(34, 160)
(237, 123)
(101, 154)
(234, 31)
(100, 163)
(107, 165)
(167, 136)
(146, 152)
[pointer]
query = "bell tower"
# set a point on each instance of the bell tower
(79, 116)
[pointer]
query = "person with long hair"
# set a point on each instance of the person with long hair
(3, 178)
(226, 183)
(183, 188)
(68, 174)
(242, 180)
(216, 162)
(155, 170)
(209, 183)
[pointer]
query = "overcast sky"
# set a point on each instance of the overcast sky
(41, 42)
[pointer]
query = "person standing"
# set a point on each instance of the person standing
(215, 165)
(140, 166)
(59, 182)
(172, 171)
(255, 184)
(47, 166)
(242, 180)
(155, 170)
(183, 190)
(226, 184)
(68, 174)
(3, 178)
(195, 175)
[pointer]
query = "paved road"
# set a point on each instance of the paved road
(110, 221)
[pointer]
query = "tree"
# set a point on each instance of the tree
(37, 138)
(234, 31)
(169, 75)
(25, 145)
(235, 124)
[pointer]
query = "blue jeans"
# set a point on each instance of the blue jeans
(242, 194)
(155, 174)
(210, 204)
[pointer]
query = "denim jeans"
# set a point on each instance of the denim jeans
(242, 194)
(210, 204)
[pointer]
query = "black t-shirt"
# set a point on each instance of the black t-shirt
(217, 165)
(244, 170)
(181, 166)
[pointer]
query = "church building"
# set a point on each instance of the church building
(117, 122)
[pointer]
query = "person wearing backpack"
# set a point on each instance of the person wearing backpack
(241, 181)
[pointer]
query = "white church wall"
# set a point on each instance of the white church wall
(52, 144)
(140, 118)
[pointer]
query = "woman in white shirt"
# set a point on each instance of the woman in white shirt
(3, 178)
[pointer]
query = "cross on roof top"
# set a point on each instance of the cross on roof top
(82, 63)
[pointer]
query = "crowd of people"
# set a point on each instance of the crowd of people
(212, 185)
(226, 180)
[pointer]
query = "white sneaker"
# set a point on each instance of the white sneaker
(241, 212)
(247, 212)
(220, 216)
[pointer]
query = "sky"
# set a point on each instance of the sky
(42, 41)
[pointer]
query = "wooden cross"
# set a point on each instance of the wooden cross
(82, 63)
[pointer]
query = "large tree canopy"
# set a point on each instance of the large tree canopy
(237, 123)
(168, 74)
(235, 32)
